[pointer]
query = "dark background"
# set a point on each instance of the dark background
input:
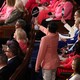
(1, 2)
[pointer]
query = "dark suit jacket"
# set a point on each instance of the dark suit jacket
(4, 73)
(13, 64)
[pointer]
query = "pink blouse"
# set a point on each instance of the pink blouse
(4, 14)
(23, 45)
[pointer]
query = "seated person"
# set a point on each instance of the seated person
(72, 29)
(16, 14)
(4, 70)
(57, 14)
(6, 10)
(68, 50)
(14, 54)
(64, 41)
(21, 37)
(76, 69)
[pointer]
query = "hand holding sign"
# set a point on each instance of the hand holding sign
(35, 12)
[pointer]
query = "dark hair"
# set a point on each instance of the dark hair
(21, 22)
(3, 58)
(78, 12)
(77, 48)
(15, 48)
(77, 64)
(52, 27)
(77, 1)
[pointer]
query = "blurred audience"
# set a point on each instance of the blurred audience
(57, 14)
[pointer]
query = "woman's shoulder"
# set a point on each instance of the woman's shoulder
(75, 77)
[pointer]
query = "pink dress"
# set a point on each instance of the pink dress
(23, 45)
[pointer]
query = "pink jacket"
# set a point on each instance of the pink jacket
(6, 11)
(68, 8)
(47, 55)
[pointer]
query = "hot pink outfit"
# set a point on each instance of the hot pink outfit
(23, 46)
(6, 11)
(68, 7)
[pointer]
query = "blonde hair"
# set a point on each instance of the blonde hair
(20, 34)
(10, 2)
(19, 5)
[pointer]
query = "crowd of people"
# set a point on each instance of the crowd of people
(12, 13)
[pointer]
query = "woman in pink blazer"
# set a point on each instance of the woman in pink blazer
(47, 56)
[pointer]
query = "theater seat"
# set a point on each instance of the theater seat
(6, 31)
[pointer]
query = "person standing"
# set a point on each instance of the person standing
(47, 56)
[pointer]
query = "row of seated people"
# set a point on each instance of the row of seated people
(14, 10)
(73, 31)
(15, 49)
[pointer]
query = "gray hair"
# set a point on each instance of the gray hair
(22, 22)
